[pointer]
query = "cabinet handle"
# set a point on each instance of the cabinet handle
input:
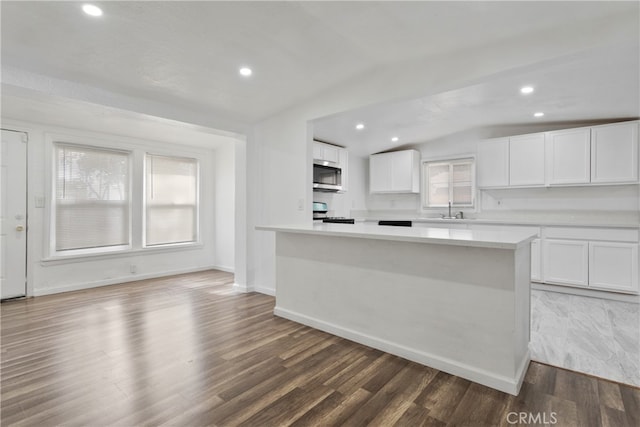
(20, 228)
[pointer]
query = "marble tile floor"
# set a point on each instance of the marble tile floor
(590, 335)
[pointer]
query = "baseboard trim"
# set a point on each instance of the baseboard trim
(592, 293)
(266, 291)
(241, 288)
(117, 281)
(480, 376)
(225, 269)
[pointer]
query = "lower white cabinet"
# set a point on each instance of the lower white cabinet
(566, 262)
(613, 265)
(536, 271)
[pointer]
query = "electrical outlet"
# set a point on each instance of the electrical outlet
(133, 269)
(39, 201)
(300, 204)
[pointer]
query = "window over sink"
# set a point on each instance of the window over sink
(447, 181)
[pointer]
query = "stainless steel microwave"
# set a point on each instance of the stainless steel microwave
(326, 177)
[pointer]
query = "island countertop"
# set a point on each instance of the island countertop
(508, 239)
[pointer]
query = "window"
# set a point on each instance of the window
(91, 205)
(449, 180)
(171, 208)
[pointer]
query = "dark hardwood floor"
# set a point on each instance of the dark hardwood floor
(187, 351)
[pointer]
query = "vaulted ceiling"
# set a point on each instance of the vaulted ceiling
(187, 54)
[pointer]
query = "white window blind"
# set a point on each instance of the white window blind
(92, 198)
(171, 200)
(449, 181)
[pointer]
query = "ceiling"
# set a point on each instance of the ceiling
(187, 54)
(592, 86)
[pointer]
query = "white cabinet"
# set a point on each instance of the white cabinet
(343, 163)
(527, 160)
(493, 163)
(536, 271)
(395, 172)
(566, 262)
(614, 153)
(326, 152)
(569, 158)
(380, 173)
(613, 265)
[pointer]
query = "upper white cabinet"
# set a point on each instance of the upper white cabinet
(395, 172)
(614, 153)
(569, 157)
(493, 163)
(326, 152)
(526, 160)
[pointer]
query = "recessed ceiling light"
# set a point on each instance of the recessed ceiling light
(526, 90)
(539, 114)
(91, 10)
(394, 139)
(245, 71)
(360, 126)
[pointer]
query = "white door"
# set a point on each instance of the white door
(13, 214)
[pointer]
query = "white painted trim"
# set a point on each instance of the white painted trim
(241, 288)
(223, 268)
(592, 293)
(266, 291)
(452, 367)
(117, 281)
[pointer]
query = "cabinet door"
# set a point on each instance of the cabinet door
(613, 265)
(380, 173)
(317, 151)
(536, 274)
(614, 153)
(493, 163)
(566, 262)
(569, 156)
(403, 171)
(526, 160)
(330, 153)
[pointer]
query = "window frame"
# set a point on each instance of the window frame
(137, 148)
(53, 176)
(424, 196)
(197, 240)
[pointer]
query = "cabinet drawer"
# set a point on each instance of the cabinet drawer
(605, 234)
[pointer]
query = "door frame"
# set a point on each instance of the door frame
(27, 290)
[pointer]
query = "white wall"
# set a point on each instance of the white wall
(224, 207)
(48, 275)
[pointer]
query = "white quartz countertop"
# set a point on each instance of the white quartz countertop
(441, 236)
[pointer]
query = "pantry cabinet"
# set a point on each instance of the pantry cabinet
(614, 153)
(395, 172)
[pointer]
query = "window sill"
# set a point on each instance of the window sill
(55, 260)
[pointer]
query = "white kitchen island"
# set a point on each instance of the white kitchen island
(455, 300)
